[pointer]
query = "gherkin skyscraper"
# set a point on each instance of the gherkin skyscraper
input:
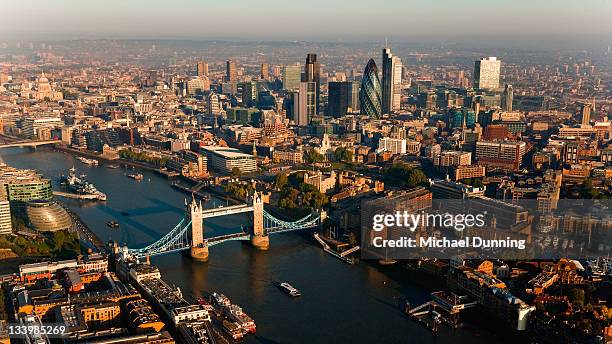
(370, 93)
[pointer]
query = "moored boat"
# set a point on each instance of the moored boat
(86, 161)
(233, 329)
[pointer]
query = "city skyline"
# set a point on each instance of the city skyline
(67, 19)
(230, 172)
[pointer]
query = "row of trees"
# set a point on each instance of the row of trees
(59, 244)
(129, 154)
(475, 182)
(240, 190)
(305, 196)
(588, 191)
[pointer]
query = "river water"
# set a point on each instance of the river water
(340, 303)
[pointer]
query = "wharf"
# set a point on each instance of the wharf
(444, 307)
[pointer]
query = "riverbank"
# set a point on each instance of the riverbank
(337, 298)
(89, 239)
(88, 154)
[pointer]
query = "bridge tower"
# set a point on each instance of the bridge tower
(193, 213)
(259, 239)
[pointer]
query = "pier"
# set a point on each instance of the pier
(444, 307)
(343, 256)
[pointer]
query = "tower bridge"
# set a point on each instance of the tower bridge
(188, 234)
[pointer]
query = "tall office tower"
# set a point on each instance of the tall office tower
(202, 69)
(307, 103)
(231, 75)
(585, 112)
(507, 98)
(312, 73)
(460, 77)
(276, 71)
(265, 70)
(6, 225)
(343, 98)
(486, 73)
(292, 76)
(369, 94)
(249, 93)
(391, 81)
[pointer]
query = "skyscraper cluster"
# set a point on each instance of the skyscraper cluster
(381, 96)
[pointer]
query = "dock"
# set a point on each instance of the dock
(343, 256)
(443, 308)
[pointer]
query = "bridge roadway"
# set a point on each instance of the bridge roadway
(28, 143)
(223, 238)
(229, 210)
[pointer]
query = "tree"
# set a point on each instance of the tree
(313, 156)
(415, 177)
(475, 182)
(588, 191)
(289, 198)
(344, 155)
(577, 296)
(281, 180)
(406, 175)
(236, 172)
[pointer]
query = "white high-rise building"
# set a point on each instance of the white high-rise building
(213, 104)
(391, 81)
(486, 73)
(394, 146)
(6, 225)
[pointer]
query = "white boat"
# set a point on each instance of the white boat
(289, 289)
(91, 162)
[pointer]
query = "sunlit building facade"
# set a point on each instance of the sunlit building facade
(486, 73)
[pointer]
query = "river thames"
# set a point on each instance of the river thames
(340, 303)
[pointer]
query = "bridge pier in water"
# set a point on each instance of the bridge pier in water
(259, 239)
(199, 253)
(199, 248)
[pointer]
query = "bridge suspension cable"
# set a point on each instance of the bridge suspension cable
(178, 235)
(178, 238)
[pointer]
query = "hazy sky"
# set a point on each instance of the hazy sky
(300, 19)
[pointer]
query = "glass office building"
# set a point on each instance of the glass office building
(369, 95)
